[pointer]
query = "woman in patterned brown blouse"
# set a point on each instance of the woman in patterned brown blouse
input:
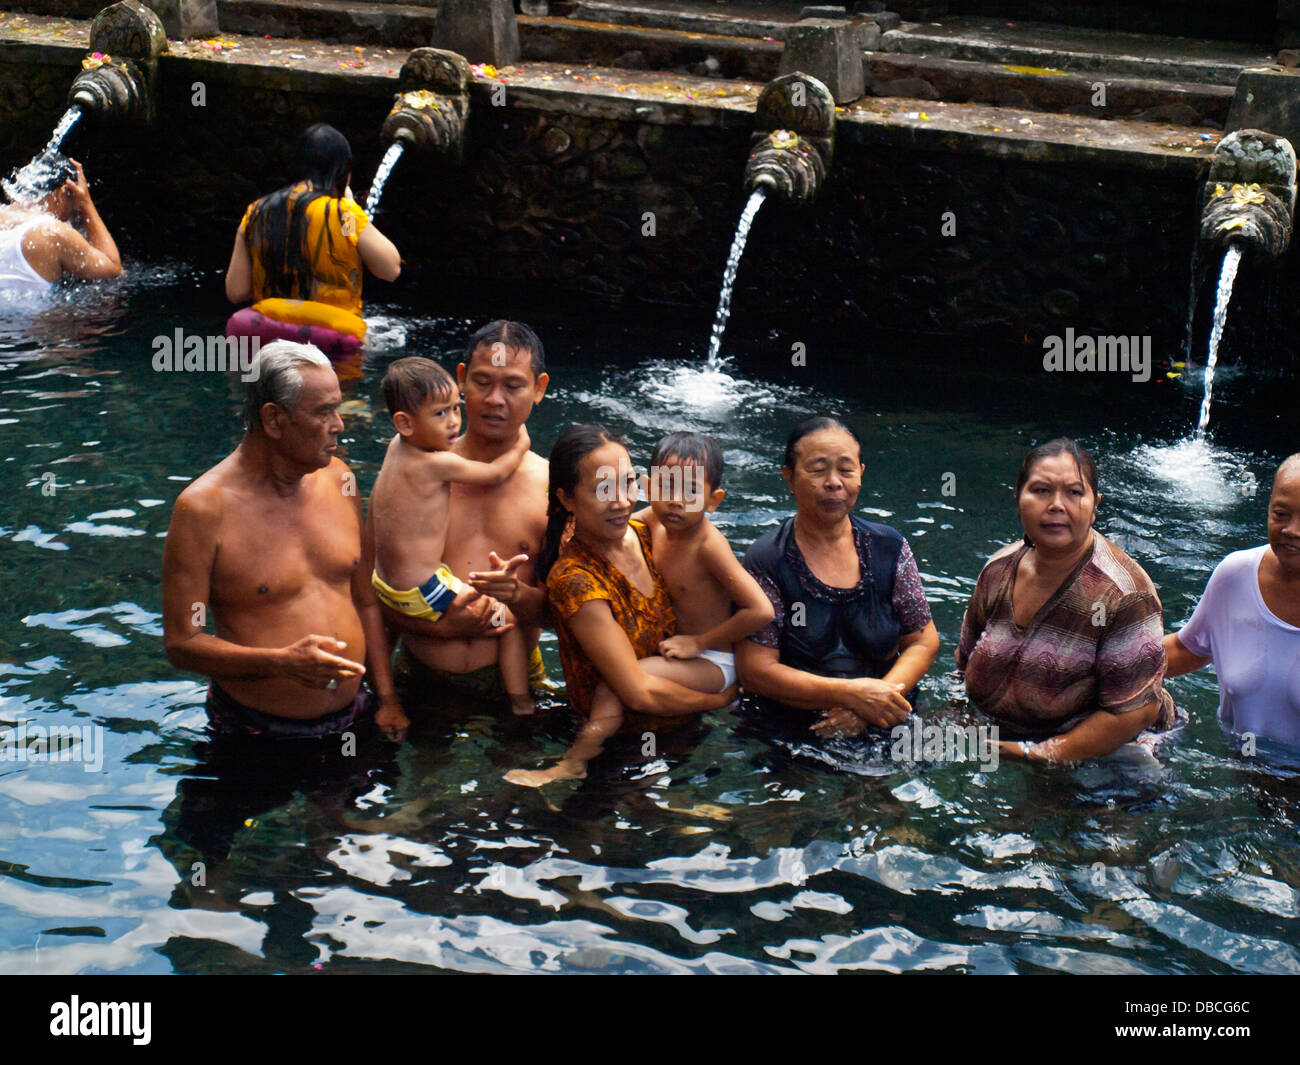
(1062, 640)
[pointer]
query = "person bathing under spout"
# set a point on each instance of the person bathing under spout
(612, 606)
(301, 251)
(38, 243)
(410, 502)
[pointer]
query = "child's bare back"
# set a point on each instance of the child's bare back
(409, 504)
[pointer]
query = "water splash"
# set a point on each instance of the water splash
(32, 181)
(729, 275)
(1231, 259)
(1192, 474)
(386, 165)
(70, 118)
(693, 396)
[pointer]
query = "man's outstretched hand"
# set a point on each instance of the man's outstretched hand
(501, 581)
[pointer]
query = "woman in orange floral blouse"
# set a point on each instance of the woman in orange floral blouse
(609, 604)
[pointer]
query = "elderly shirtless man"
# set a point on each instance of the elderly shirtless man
(270, 539)
(493, 533)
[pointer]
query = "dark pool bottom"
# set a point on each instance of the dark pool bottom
(739, 844)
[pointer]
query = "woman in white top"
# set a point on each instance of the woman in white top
(37, 243)
(1248, 624)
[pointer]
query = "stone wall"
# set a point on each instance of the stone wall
(557, 200)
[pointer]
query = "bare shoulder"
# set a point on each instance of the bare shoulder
(49, 226)
(532, 480)
(205, 499)
(338, 475)
(715, 545)
(535, 469)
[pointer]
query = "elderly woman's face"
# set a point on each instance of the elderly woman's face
(1284, 523)
(827, 475)
(1057, 505)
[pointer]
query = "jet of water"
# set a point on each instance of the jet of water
(386, 165)
(729, 275)
(1228, 273)
(70, 118)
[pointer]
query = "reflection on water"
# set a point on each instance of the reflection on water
(743, 843)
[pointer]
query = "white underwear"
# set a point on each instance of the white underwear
(725, 661)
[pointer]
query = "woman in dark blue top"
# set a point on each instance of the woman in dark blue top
(852, 634)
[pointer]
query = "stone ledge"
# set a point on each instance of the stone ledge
(657, 18)
(1028, 136)
(603, 43)
(1073, 48)
(967, 81)
(404, 25)
(658, 99)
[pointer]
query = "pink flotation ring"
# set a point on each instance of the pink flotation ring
(250, 322)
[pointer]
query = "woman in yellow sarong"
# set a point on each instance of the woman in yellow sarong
(299, 254)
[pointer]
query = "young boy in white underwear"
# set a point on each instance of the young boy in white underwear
(704, 577)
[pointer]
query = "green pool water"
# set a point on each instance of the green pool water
(741, 845)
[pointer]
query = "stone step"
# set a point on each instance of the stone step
(1027, 136)
(1059, 91)
(567, 40)
(392, 24)
(674, 17)
(1074, 48)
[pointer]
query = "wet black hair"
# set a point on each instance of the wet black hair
(1062, 445)
(277, 223)
(691, 448)
(514, 336)
(574, 445)
(812, 425)
(47, 172)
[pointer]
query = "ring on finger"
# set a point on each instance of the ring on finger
(334, 683)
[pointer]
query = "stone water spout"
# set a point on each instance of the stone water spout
(1249, 197)
(794, 139)
(117, 79)
(432, 104)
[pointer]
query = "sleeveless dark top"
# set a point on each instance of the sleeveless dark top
(846, 632)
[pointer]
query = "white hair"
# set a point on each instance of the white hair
(275, 376)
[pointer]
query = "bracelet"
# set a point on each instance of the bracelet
(1024, 749)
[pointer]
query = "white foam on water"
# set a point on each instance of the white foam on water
(696, 396)
(384, 334)
(1195, 473)
(708, 392)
